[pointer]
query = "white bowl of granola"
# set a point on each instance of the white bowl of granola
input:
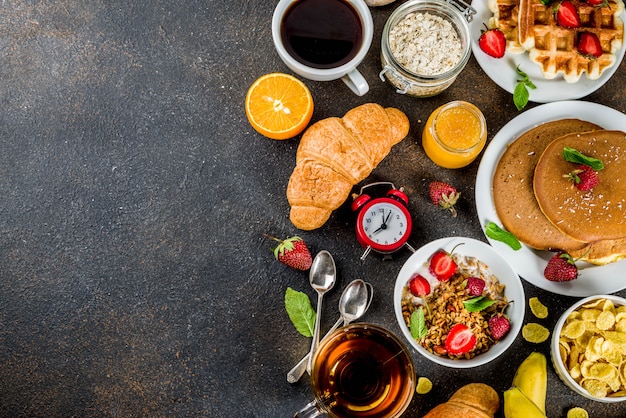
(458, 302)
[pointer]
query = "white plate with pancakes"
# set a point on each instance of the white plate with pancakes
(527, 262)
(503, 70)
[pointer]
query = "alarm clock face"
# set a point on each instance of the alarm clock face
(383, 224)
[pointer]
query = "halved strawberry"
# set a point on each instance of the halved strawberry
(589, 44)
(601, 3)
(419, 286)
(567, 15)
(460, 340)
(442, 266)
(493, 43)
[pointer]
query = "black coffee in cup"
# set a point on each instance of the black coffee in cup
(322, 33)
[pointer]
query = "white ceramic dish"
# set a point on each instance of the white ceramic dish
(502, 71)
(555, 355)
(529, 263)
(498, 266)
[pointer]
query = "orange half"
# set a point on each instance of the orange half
(279, 106)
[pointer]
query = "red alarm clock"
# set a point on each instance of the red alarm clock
(383, 223)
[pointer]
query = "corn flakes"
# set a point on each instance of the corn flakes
(538, 309)
(577, 412)
(424, 385)
(535, 333)
(592, 345)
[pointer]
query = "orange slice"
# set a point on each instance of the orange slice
(279, 106)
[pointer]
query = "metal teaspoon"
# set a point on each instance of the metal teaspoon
(322, 278)
(354, 302)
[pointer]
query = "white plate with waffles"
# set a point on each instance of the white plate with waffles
(527, 262)
(503, 70)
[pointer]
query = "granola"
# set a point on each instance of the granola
(444, 307)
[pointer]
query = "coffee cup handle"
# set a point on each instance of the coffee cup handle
(356, 82)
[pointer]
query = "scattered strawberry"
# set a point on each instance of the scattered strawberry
(567, 15)
(599, 3)
(499, 326)
(584, 177)
(589, 45)
(419, 286)
(442, 266)
(475, 286)
(444, 195)
(292, 252)
(460, 340)
(492, 42)
(561, 268)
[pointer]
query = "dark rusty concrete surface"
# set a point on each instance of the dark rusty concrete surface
(134, 278)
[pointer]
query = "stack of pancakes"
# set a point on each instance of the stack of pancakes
(530, 26)
(545, 210)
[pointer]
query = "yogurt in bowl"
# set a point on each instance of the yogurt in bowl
(451, 308)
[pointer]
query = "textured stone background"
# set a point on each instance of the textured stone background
(134, 278)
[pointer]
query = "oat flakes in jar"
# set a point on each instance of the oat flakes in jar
(425, 45)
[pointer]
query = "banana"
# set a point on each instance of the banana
(517, 405)
(531, 378)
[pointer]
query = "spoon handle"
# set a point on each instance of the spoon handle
(298, 370)
(316, 334)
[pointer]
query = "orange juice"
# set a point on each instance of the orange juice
(454, 134)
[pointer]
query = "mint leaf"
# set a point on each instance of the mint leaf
(478, 303)
(574, 156)
(520, 93)
(493, 231)
(418, 324)
(300, 311)
(520, 96)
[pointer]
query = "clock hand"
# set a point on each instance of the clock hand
(384, 224)
(387, 218)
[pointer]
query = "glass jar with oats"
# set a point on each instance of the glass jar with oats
(425, 45)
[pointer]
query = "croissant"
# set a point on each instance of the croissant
(335, 154)
(474, 400)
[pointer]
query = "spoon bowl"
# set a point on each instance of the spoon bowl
(355, 300)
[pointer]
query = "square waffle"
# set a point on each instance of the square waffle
(554, 48)
(505, 16)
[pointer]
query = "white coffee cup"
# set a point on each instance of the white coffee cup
(347, 72)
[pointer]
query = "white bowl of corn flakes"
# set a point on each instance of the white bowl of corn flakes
(588, 348)
(446, 313)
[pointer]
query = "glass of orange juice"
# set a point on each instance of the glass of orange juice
(454, 134)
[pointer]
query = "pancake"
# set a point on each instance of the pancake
(602, 252)
(513, 194)
(584, 216)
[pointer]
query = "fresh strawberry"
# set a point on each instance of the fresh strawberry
(599, 3)
(444, 195)
(442, 266)
(460, 340)
(292, 252)
(475, 286)
(419, 286)
(584, 177)
(499, 325)
(561, 268)
(589, 45)
(567, 15)
(492, 42)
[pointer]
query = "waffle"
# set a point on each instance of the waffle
(505, 16)
(554, 48)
